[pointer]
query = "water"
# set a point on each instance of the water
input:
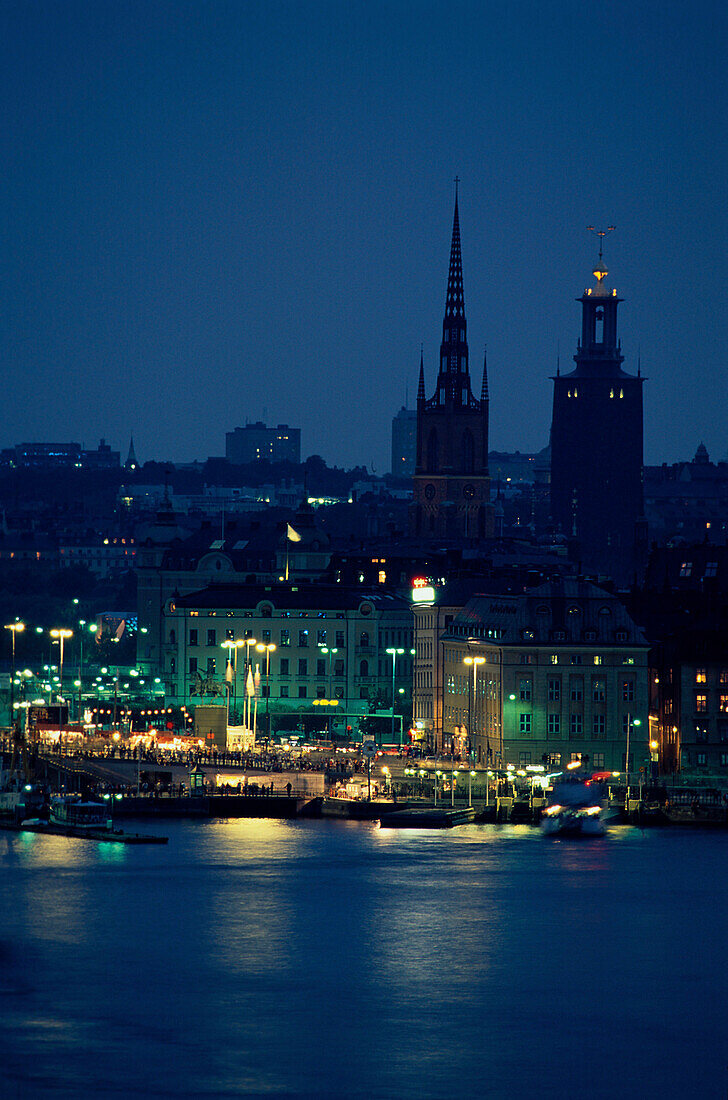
(330, 959)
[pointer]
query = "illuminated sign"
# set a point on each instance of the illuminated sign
(426, 594)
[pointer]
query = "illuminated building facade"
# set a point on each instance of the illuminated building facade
(562, 676)
(330, 643)
(596, 445)
(451, 483)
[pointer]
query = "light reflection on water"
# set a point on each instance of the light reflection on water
(335, 959)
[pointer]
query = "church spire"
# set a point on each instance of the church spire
(454, 301)
(131, 462)
(484, 387)
(421, 385)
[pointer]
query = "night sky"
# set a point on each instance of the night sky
(218, 211)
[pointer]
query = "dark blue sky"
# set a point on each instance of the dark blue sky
(218, 211)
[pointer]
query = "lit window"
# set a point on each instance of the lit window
(701, 703)
(723, 704)
(701, 676)
(686, 568)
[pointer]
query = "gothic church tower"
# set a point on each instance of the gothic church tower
(451, 483)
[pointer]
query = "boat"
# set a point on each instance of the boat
(71, 811)
(574, 808)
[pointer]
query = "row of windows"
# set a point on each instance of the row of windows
(701, 759)
(701, 676)
(701, 703)
(612, 391)
(266, 612)
(553, 759)
(364, 640)
(701, 733)
(576, 725)
(265, 636)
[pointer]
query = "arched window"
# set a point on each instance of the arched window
(364, 668)
(432, 451)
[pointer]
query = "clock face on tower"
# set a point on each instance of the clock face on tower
(429, 491)
(469, 491)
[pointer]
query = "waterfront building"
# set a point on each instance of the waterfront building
(257, 443)
(596, 445)
(451, 482)
(689, 703)
(330, 643)
(557, 674)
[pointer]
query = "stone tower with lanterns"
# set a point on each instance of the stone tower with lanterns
(451, 481)
(596, 444)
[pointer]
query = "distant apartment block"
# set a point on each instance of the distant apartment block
(41, 455)
(404, 442)
(256, 442)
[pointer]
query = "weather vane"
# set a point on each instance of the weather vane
(601, 234)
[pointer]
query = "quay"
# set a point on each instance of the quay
(110, 836)
(427, 817)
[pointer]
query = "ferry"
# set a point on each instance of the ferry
(574, 809)
(71, 812)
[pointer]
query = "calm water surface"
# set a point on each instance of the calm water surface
(327, 959)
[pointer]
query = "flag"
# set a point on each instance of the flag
(120, 630)
(293, 536)
(229, 672)
(249, 684)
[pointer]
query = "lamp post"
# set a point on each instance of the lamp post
(331, 652)
(267, 648)
(229, 645)
(247, 642)
(61, 634)
(14, 628)
(473, 696)
(394, 653)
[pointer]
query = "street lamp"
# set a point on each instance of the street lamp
(473, 696)
(267, 648)
(394, 653)
(14, 628)
(331, 652)
(61, 634)
(247, 642)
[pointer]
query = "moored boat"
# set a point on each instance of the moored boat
(72, 812)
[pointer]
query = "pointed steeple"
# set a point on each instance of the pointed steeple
(131, 462)
(421, 384)
(484, 387)
(454, 301)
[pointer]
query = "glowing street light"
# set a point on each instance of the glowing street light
(61, 634)
(473, 696)
(14, 628)
(394, 654)
(267, 648)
